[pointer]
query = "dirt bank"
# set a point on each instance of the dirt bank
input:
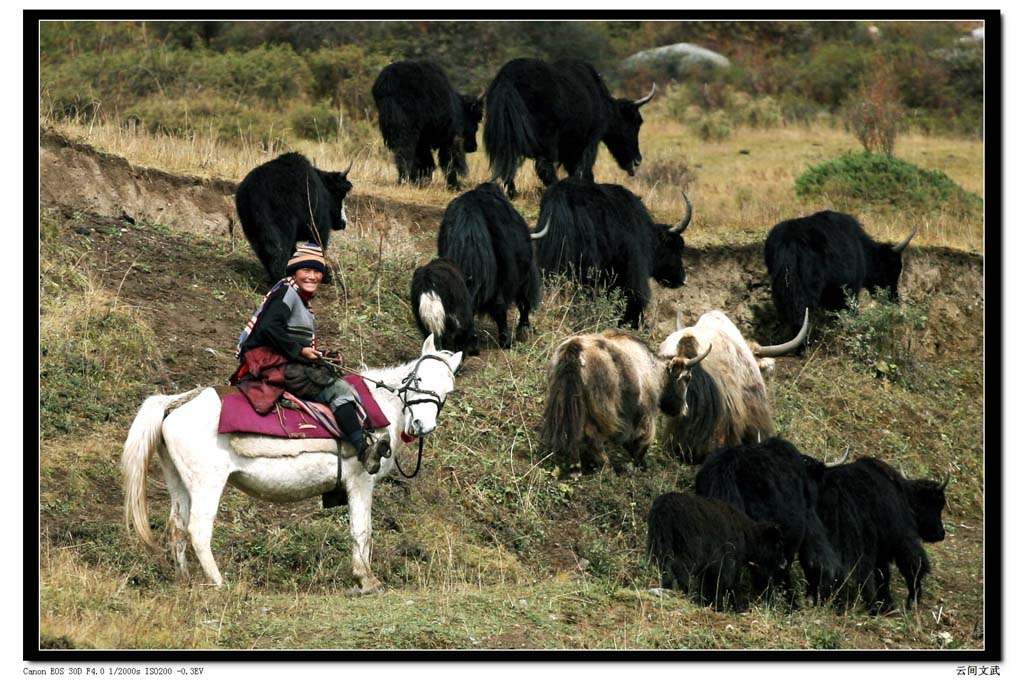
(102, 188)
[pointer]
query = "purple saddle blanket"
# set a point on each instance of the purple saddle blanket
(311, 420)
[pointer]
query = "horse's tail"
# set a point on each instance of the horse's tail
(144, 437)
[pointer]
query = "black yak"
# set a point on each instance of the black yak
(419, 112)
(874, 516)
(288, 200)
(557, 114)
(442, 306)
(604, 387)
(773, 482)
(817, 261)
(491, 243)
(602, 235)
(702, 545)
(726, 401)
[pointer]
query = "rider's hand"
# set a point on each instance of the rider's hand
(310, 355)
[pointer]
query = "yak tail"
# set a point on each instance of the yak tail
(571, 408)
(432, 313)
(570, 245)
(465, 239)
(144, 437)
(795, 281)
(393, 122)
(564, 416)
(508, 132)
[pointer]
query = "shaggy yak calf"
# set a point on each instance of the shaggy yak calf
(419, 111)
(288, 200)
(874, 516)
(442, 306)
(703, 545)
(817, 261)
(604, 387)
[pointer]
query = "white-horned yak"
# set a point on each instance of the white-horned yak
(725, 399)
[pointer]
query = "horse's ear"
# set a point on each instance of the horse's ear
(455, 361)
(428, 346)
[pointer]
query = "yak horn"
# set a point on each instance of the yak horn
(685, 222)
(345, 173)
(899, 247)
(690, 363)
(644, 100)
(679, 321)
(785, 348)
(942, 487)
(842, 459)
(537, 235)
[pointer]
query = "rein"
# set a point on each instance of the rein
(402, 392)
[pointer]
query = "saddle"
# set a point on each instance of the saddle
(293, 418)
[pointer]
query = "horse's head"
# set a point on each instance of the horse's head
(426, 388)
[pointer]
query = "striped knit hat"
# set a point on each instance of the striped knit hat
(307, 255)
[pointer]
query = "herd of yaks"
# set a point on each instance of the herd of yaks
(760, 504)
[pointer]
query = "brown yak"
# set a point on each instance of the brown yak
(605, 387)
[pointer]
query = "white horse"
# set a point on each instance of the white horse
(198, 462)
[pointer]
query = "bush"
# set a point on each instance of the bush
(763, 112)
(314, 122)
(883, 179)
(878, 336)
(343, 76)
(874, 113)
(714, 126)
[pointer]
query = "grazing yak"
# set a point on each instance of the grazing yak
(702, 545)
(288, 200)
(602, 235)
(604, 387)
(772, 481)
(491, 243)
(419, 112)
(726, 399)
(817, 261)
(874, 516)
(557, 113)
(442, 306)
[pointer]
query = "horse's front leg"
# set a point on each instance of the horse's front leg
(360, 497)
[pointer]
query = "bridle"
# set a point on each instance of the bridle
(411, 384)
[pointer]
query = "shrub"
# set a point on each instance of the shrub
(884, 179)
(344, 76)
(714, 126)
(762, 112)
(314, 122)
(878, 336)
(874, 113)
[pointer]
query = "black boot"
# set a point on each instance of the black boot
(370, 456)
